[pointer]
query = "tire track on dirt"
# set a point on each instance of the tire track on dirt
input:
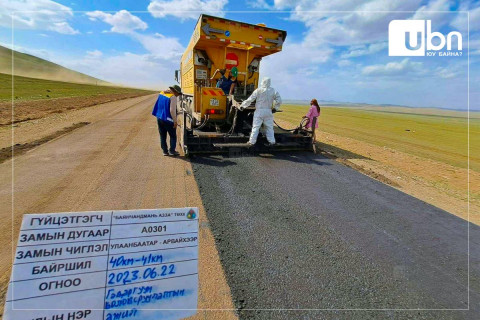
(56, 191)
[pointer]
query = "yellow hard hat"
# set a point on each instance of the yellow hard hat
(167, 94)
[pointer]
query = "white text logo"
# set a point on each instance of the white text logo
(411, 38)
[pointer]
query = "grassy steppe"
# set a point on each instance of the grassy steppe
(35, 89)
(441, 137)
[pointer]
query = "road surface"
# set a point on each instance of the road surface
(292, 231)
(304, 232)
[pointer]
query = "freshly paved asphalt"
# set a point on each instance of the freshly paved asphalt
(304, 232)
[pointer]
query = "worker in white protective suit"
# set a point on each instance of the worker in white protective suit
(266, 97)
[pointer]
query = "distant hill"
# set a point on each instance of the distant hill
(30, 66)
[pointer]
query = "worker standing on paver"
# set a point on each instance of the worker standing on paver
(265, 97)
(165, 110)
(227, 84)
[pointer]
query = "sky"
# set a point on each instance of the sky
(334, 50)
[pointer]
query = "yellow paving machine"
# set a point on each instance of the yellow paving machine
(211, 120)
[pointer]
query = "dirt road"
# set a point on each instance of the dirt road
(305, 232)
(113, 163)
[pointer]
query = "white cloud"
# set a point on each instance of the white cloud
(94, 54)
(475, 47)
(285, 4)
(446, 73)
(259, 4)
(160, 46)
(344, 63)
(394, 68)
(186, 9)
(36, 15)
(452, 69)
(63, 27)
(439, 18)
(363, 50)
(348, 22)
(461, 21)
(292, 68)
(352, 22)
(121, 22)
(129, 69)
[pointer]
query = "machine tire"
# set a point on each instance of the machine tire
(186, 152)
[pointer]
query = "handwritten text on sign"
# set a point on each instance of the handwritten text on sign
(136, 264)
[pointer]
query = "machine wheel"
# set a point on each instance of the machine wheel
(186, 152)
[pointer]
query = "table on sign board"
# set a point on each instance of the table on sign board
(135, 264)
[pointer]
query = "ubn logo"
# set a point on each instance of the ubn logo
(409, 38)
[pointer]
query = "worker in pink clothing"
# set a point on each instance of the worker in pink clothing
(312, 116)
